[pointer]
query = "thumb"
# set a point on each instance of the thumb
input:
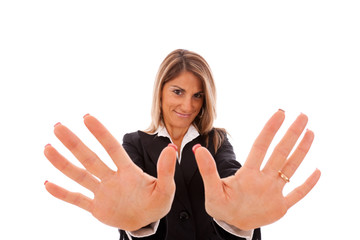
(166, 168)
(207, 167)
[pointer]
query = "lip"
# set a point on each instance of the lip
(182, 115)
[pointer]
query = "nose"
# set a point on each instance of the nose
(187, 105)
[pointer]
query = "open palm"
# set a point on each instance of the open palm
(253, 197)
(127, 198)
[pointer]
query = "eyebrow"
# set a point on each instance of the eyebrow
(176, 86)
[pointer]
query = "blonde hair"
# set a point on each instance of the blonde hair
(174, 64)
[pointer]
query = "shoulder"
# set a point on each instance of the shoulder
(135, 142)
(131, 137)
(223, 153)
(136, 136)
(216, 132)
(220, 132)
(216, 138)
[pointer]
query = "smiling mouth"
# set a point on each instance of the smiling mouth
(182, 115)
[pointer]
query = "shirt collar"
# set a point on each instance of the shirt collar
(190, 135)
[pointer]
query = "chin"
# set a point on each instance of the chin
(183, 123)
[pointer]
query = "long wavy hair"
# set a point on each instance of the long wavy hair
(174, 64)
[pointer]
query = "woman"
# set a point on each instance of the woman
(180, 179)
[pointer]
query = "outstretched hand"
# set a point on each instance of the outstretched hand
(127, 198)
(253, 197)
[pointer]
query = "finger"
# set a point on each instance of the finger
(263, 141)
(87, 157)
(283, 149)
(79, 175)
(111, 145)
(300, 192)
(76, 199)
(298, 155)
(207, 168)
(166, 169)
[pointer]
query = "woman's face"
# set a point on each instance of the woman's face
(181, 100)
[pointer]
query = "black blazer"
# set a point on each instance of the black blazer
(187, 219)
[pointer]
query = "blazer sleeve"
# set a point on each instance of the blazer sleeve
(133, 147)
(225, 159)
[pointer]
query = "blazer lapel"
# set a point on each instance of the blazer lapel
(153, 146)
(188, 161)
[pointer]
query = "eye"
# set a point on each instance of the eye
(198, 95)
(177, 91)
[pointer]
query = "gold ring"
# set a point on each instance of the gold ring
(285, 178)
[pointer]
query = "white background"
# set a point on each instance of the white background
(62, 59)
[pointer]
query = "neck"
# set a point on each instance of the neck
(176, 134)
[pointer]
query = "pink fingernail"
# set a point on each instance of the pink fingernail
(47, 145)
(173, 146)
(195, 147)
(281, 110)
(59, 123)
(46, 182)
(86, 115)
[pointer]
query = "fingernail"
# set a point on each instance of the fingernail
(281, 110)
(195, 147)
(45, 182)
(59, 123)
(86, 115)
(47, 145)
(173, 146)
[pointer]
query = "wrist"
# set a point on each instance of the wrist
(239, 223)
